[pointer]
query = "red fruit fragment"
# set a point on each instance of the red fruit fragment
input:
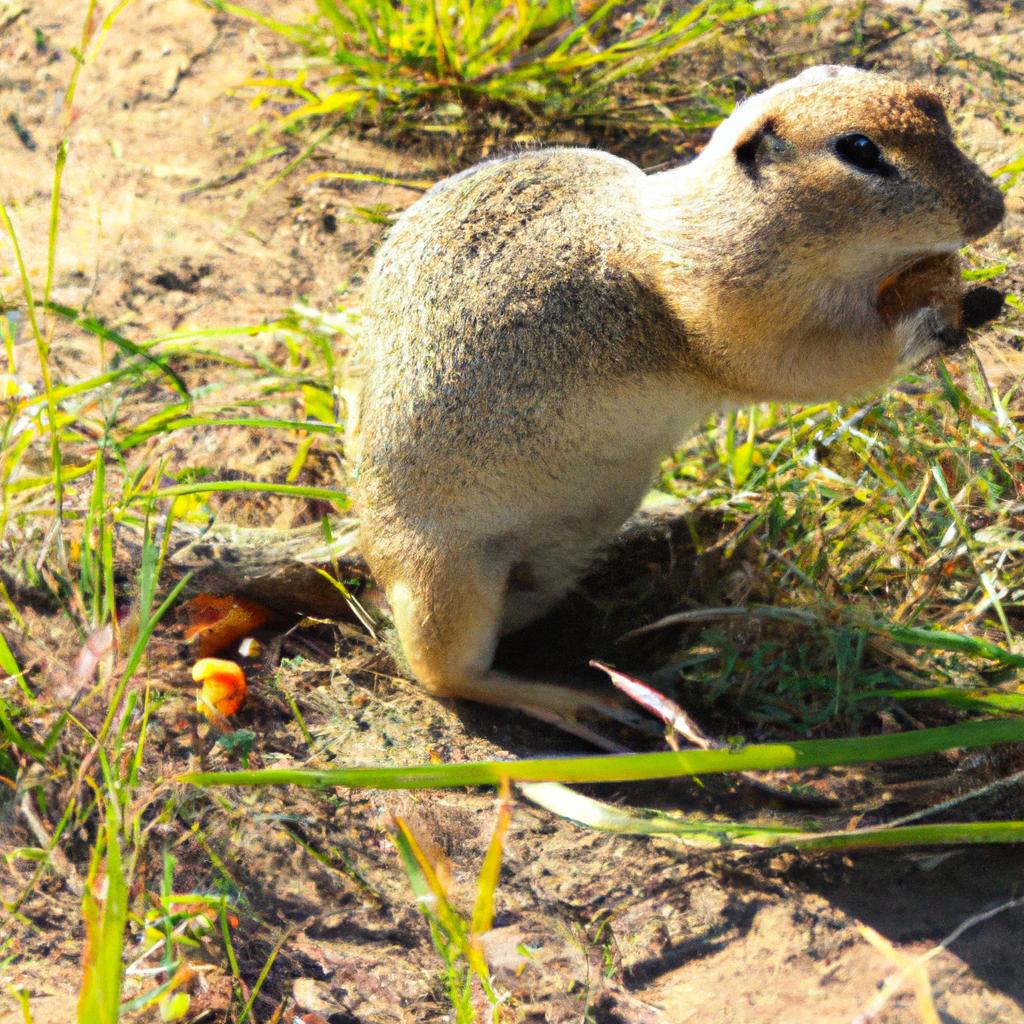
(224, 688)
(216, 623)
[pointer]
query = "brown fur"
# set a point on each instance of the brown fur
(544, 328)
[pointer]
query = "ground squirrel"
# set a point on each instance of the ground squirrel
(544, 327)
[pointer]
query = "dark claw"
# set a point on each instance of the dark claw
(980, 305)
(951, 338)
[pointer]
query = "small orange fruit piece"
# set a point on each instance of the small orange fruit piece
(215, 623)
(224, 689)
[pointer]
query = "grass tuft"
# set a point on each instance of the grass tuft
(458, 940)
(420, 65)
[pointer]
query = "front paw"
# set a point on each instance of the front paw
(949, 339)
(926, 333)
(978, 307)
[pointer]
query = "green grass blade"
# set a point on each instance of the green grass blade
(490, 871)
(264, 971)
(43, 352)
(953, 833)
(62, 146)
(100, 993)
(165, 425)
(984, 700)
(908, 636)
(943, 640)
(27, 746)
(580, 32)
(282, 28)
(9, 665)
(227, 486)
(148, 619)
(637, 767)
(567, 803)
(100, 330)
(413, 184)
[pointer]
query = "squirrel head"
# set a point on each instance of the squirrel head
(880, 149)
(824, 187)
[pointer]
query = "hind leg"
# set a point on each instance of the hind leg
(448, 621)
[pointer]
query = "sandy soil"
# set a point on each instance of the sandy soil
(624, 930)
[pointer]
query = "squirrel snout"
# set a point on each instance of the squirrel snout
(984, 215)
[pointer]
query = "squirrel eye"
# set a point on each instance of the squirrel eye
(859, 151)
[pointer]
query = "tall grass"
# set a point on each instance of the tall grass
(79, 458)
(458, 939)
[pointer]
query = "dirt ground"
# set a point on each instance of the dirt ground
(623, 930)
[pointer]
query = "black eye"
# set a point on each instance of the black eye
(860, 151)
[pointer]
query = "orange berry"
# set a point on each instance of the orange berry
(224, 688)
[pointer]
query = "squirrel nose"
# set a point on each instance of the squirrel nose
(983, 215)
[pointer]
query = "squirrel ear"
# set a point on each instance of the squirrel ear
(749, 145)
